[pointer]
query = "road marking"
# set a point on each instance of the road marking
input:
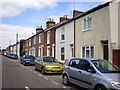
(34, 72)
(55, 83)
(64, 87)
(39, 75)
(46, 78)
(31, 70)
(27, 88)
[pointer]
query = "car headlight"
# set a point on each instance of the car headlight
(47, 66)
(115, 84)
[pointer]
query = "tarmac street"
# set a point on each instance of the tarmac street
(15, 75)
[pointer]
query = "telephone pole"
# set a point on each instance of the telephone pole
(16, 42)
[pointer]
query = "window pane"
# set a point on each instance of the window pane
(72, 52)
(83, 51)
(62, 57)
(87, 53)
(62, 37)
(85, 23)
(92, 51)
(62, 50)
(84, 65)
(89, 23)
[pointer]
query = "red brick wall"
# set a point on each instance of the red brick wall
(45, 44)
(52, 41)
(116, 57)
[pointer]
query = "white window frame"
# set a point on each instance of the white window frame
(48, 50)
(29, 42)
(48, 37)
(40, 38)
(62, 53)
(62, 33)
(40, 51)
(72, 50)
(34, 39)
(88, 48)
(53, 49)
(87, 23)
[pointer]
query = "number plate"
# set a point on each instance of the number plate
(56, 70)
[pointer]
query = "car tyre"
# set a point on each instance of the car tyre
(24, 63)
(65, 80)
(100, 87)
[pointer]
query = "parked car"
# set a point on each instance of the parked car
(13, 56)
(27, 59)
(48, 65)
(7, 54)
(92, 74)
(4, 53)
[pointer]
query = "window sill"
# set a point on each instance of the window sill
(87, 29)
(62, 41)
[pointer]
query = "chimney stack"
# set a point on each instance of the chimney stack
(39, 29)
(50, 23)
(64, 18)
(76, 13)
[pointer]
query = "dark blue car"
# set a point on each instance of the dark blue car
(27, 59)
(13, 56)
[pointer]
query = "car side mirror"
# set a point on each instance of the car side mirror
(91, 70)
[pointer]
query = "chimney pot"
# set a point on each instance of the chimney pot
(66, 16)
(52, 20)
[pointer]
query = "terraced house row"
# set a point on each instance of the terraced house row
(91, 34)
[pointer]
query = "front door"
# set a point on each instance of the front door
(105, 49)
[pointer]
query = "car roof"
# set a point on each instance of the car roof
(44, 56)
(88, 59)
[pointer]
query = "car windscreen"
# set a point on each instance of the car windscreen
(105, 67)
(29, 57)
(14, 55)
(49, 59)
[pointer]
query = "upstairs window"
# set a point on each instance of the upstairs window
(35, 40)
(62, 33)
(40, 38)
(48, 37)
(29, 42)
(87, 23)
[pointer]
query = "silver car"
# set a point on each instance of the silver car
(93, 74)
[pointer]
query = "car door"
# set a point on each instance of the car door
(39, 63)
(85, 78)
(73, 71)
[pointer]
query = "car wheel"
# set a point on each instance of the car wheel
(100, 87)
(24, 63)
(65, 80)
(43, 71)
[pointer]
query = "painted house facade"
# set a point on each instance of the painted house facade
(97, 33)
(65, 37)
(92, 34)
(65, 41)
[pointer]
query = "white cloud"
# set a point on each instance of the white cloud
(8, 33)
(11, 8)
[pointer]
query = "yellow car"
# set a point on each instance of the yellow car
(48, 65)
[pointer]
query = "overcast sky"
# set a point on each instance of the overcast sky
(23, 16)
